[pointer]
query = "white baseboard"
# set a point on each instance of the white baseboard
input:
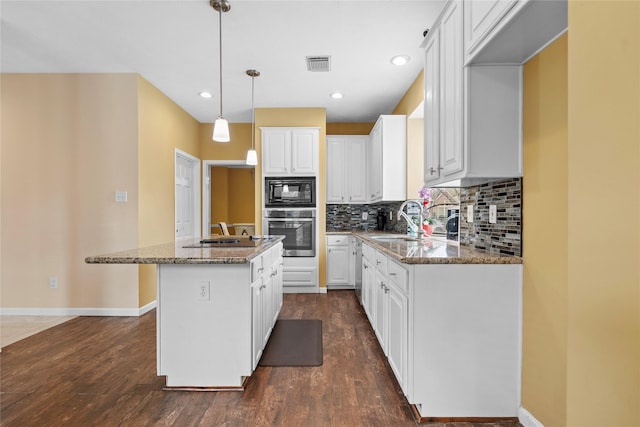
(528, 420)
(303, 290)
(119, 312)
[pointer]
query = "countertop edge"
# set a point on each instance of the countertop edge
(116, 258)
(481, 259)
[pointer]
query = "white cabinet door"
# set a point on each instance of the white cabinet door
(432, 108)
(368, 283)
(480, 16)
(375, 163)
(338, 265)
(357, 169)
(381, 311)
(451, 103)
(290, 151)
(277, 282)
(257, 320)
(346, 168)
(304, 151)
(336, 169)
(276, 151)
(398, 332)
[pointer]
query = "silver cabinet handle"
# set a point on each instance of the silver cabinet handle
(432, 171)
(440, 168)
(261, 269)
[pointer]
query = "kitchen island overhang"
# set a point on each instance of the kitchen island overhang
(216, 307)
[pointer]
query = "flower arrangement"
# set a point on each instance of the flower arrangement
(425, 195)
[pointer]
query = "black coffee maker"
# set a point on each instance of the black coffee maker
(381, 220)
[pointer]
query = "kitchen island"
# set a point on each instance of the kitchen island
(449, 319)
(217, 303)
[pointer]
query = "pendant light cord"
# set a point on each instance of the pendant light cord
(253, 114)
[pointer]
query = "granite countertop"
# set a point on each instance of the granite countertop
(433, 250)
(176, 253)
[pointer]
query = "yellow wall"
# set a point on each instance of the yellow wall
(296, 117)
(220, 194)
(163, 127)
(545, 219)
(236, 149)
(69, 141)
(411, 100)
(349, 128)
(233, 198)
(603, 352)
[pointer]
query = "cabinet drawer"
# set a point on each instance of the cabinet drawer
(368, 253)
(381, 263)
(398, 275)
(338, 240)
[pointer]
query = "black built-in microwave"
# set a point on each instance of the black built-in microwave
(290, 192)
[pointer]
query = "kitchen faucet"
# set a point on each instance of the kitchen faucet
(413, 226)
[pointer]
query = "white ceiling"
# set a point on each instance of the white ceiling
(174, 45)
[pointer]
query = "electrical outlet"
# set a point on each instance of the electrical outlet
(203, 291)
(121, 196)
(53, 282)
(365, 216)
(493, 214)
(390, 215)
(469, 213)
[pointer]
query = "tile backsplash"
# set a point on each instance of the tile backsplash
(504, 237)
(349, 217)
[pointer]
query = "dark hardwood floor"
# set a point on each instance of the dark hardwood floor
(101, 371)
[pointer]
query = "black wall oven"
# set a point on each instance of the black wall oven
(298, 228)
(289, 192)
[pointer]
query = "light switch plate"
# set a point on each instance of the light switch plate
(121, 196)
(365, 216)
(493, 214)
(469, 213)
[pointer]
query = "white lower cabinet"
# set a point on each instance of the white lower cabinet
(451, 332)
(338, 257)
(266, 299)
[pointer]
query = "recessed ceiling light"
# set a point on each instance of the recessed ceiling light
(206, 95)
(400, 60)
(336, 95)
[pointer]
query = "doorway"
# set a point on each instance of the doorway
(187, 196)
(228, 196)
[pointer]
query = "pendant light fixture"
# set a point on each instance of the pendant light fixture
(252, 156)
(221, 126)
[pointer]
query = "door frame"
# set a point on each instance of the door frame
(195, 190)
(206, 188)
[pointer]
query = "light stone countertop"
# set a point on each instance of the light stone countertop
(175, 253)
(433, 250)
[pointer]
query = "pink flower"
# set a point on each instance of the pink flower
(425, 193)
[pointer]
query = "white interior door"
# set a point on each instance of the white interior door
(187, 171)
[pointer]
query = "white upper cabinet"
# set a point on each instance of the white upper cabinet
(511, 31)
(290, 151)
(387, 174)
(451, 149)
(480, 16)
(346, 168)
(472, 120)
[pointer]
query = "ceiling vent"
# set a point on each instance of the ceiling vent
(319, 63)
